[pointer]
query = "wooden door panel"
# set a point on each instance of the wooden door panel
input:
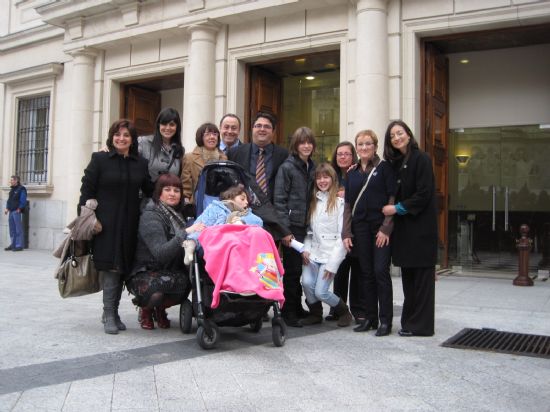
(265, 96)
(436, 127)
(143, 107)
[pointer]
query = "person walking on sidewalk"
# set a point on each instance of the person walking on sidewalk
(323, 248)
(114, 179)
(15, 206)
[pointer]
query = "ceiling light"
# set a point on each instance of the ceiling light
(310, 77)
(464, 61)
(301, 60)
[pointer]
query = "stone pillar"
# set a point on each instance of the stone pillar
(80, 134)
(199, 90)
(371, 81)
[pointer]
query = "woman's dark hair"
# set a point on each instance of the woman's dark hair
(166, 179)
(233, 192)
(203, 128)
(164, 117)
(301, 135)
(333, 162)
(390, 153)
(115, 127)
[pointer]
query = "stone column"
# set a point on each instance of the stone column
(371, 81)
(80, 133)
(199, 89)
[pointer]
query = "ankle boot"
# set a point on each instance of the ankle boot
(344, 315)
(110, 297)
(162, 317)
(146, 321)
(315, 314)
(119, 324)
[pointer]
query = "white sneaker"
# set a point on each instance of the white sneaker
(189, 247)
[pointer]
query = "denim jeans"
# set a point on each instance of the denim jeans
(315, 287)
(16, 229)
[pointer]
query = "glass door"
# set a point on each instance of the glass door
(498, 180)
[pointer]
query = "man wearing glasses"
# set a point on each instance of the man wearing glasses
(261, 149)
(230, 128)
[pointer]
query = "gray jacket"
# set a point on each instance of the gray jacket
(159, 164)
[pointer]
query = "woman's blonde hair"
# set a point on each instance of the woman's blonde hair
(324, 169)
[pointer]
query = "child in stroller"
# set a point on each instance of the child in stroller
(232, 261)
(232, 208)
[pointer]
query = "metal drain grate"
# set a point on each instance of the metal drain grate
(503, 342)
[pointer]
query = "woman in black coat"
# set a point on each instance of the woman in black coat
(115, 179)
(291, 198)
(415, 234)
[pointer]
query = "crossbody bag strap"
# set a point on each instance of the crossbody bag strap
(364, 187)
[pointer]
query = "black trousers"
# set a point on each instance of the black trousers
(419, 305)
(292, 263)
(347, 279)
(375, 285)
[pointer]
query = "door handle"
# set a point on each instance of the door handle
(494, 208)
(506, 207)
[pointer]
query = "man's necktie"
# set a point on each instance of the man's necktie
(260, 171)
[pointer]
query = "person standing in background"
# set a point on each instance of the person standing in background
(15, 206)
(230, 128)
(163, 149)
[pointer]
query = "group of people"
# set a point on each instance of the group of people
(353, 216)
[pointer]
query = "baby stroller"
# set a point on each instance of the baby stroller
(233, 309)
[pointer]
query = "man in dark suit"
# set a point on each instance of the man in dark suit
(247, 154)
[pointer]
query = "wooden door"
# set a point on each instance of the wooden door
(142, 106)
(265, 96)
(436, 132)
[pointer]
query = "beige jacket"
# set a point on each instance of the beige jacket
(192, 166)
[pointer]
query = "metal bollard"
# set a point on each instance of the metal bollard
(523, 245)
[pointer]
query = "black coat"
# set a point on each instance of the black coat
(414, 239)
(242, 154)
(115, 181)
(293, 188)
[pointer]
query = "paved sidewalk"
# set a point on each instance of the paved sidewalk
(55, 356)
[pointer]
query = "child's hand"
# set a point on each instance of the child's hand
(305, 258)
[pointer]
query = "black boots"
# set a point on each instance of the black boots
(112, 290)
(315, 314)
(343, 313)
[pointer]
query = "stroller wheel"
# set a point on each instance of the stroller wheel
(186, 316)
(278, 333)
(256, 326)
(205, 341)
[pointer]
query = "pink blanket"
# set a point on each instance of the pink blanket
(242, 259)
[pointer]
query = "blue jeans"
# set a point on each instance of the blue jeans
(315, 287)
(16, 229)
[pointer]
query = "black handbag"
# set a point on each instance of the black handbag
(77, 275)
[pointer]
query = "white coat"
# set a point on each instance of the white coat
(323, 240)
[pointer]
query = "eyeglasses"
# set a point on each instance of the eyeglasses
(213, 134)
(343, 154)
(262, 126)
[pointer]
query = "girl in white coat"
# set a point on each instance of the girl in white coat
(323, 248)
